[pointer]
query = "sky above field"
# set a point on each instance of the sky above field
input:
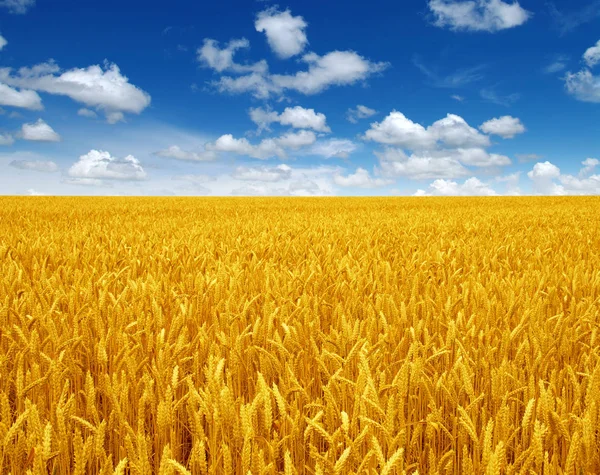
(415, 97)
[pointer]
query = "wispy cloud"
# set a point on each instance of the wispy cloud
(557, 65)
(565, 22)
(457, 79)
(490, 94)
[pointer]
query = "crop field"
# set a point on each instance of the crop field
(299, 336)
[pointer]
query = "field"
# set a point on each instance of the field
(299, 336)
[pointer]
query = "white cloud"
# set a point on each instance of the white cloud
(285, 33)
(17, 6)
(295, 188)
(452, 131)
(296, 140)
(333, 148)
(583, 85)
(338, 68)
(267, 148)
(478, 15)
(267, 174)
(39, 131)
(589, 164)
(506, 127)
(397, 129)
(3, 42)
(103, 88)
(544, 170)
(115, 117)
(6, 139)
(458, 98)
(442, 150)
(592, 55)
(471, 187)
(25, 98)
(45, 166)
(33, 192)
(392, 165)
(87, 113)
(361, 112)
(579, 186)
(476, 157)
(297, 117)
(221, 59)
(543, 175)
(511, 182)
(548, 180)
(100, 165)
(174, 151)
(360, 179)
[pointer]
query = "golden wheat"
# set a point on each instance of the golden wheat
(318, 336)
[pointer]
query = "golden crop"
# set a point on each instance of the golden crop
(299, 336)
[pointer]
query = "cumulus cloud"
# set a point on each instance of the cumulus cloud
(592, 55)
(338, 68)
(174, 151)
(361, 112)
(478, 15)
(39, 131)
(442, 150)
(17, 6)
(25, 98)
(104, 88)
(297, 117)
(45, 166)
(211, 55)
(547, 179)
(584, 85)
(267, 148)
(470, 187)
(267, 174)
(542, 176)
(3, 42)
(100, 165)
(6, 139)
(451, 131)
(285, 33)
(506, 127)
(360, 179)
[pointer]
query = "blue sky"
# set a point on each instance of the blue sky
(425, 97)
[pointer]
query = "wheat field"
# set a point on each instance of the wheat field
(299, 336)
